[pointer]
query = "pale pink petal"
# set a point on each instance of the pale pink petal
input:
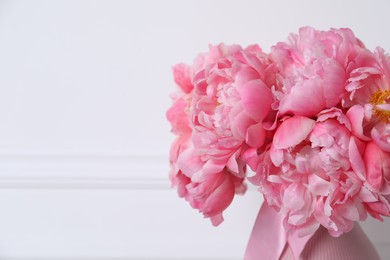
(255, 136)
(240, 124)
(377, 163)
(349, 211)
(318, 186)
(366, 195)
(385, 107)
(356, 115)
(356, 148)
(377, 137)
(251, 158)
(213, 166)
(378, 209)
(189, 163)
(334, 113)
(232, 164)
(245, 75)
(333, 83)
(256, 99)
(220, 198)
(216, 220)
(306, 99)
(182, 77)
(276, 155)
(292, 131)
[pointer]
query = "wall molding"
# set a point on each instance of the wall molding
(75, 170)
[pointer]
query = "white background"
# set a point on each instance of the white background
(84, 86)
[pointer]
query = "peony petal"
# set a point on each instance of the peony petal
(355, 156)
(333, 83)
(377, 163)
(334, 113)
(348, 211)
(240, 124)
(318, 186)
(366, 195)
(377, 137)
(221, 197)
(306, 98)
(232, 164)
(178, 117)
(250, 157)
(385, 107)
(216, 220)
(276, 155)
(189, 163)
(182, 77)
(256, 99)
(213, 166)
(376, 209)
(255, 135)
(356, 115)
(292, 131)
(245, 75)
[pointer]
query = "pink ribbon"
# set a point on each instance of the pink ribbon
(269, 238)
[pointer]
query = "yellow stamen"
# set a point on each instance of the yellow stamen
(378, 98)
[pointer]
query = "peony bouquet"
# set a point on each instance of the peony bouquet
(310, 119)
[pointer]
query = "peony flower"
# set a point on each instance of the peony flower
(206, 188)
(218, 113)
(368, 98)
(312, 69)
(311, 119)
(308, 174)
(376, 194)
(377, 164)
(231, 100)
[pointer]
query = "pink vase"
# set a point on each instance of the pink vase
(268, 242)
(353, 245)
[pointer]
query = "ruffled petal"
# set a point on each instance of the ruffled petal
(292, 131)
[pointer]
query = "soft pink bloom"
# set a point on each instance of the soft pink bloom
(231, 99)
(308, 173)
(368, 98)
(378, 168)
(311, 119)
(206, 188)
(218, 113)
(312, 69)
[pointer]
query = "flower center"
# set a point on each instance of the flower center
(378, 98)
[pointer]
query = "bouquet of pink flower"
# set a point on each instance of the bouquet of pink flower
(311, 119)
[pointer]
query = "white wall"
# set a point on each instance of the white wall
(84, 87)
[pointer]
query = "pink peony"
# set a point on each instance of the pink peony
(210, 196)
(312, 69)
(368, 98)
(308, 174)
(311, 119)
(377, 193)
(206, 188)
(377, 164)
(218, 113)
(231, 99)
